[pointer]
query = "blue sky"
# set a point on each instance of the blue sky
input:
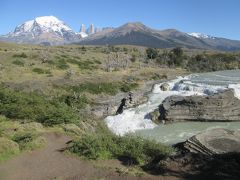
(214, 17)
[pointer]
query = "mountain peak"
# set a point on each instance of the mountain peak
(134, 25)
(43, 29)
(47, 19)
(51, 21)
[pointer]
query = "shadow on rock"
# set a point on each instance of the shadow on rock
(224, 166)
(198, 166)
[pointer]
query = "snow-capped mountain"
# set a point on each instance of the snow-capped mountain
(45, 29)
(49, 30)
(201, 35)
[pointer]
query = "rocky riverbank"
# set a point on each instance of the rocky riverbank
(107, 105)
(220, 107)
(215, 141)
(213, 154)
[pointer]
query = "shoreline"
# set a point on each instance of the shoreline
(109, 104)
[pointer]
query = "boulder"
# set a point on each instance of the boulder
(219, 107)
(154, 116)
(215, 141)
(165, 87)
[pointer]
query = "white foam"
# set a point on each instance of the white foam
(137, 118)
(236, 88)
(129, 121)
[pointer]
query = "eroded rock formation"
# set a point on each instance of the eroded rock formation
(220, 107)
(215, 141)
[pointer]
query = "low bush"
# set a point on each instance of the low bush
(106, 88)
(22, 55)
(62, 64)
(8, 148)
(38, 70)
(83, 65)
(105, 145)
(126, 87)
(78, 101)
(24, 106)
(18, 62)
(28, 140)
(23, 138)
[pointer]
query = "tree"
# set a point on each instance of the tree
(178, 52)
(152, 53)
(176, 56)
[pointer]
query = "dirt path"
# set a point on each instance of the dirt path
(50, 163)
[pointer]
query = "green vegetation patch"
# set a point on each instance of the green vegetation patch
(105, 145)
(41, 71)
(84, 65)
(18, 62)
(33, 107)
(28, 140)
(106, 88)
(22, 55)
(78, 101)
(8, 148)
(62, 64)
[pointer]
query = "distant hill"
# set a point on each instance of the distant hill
(138, 34)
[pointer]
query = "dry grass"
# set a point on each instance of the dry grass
(25, 78)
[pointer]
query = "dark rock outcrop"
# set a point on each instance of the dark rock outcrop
(215, 141)
(219, 107)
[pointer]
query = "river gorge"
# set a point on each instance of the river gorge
(137, 121)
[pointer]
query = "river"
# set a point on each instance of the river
(136, 120)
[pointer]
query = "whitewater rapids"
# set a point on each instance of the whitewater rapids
(136, 120)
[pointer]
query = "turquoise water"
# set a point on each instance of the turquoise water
(135, 120)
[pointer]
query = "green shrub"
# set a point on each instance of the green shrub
(22, 55)
(23, 138)
(51, 62)
(61, 64)
(106, 88)
(38, 70)
(41, 71)
(97, 88)
(126, 87)
(18, 62)
(97, 62)
(78, 101)
(24, 106)
(105, 145)
(152, 53)
(84, 65)
(8, 149)
(28, 140)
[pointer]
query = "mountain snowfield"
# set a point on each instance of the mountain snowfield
(201, 35)
(46, 23)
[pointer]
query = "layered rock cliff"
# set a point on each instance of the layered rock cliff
(215, 141)
(220, 107)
